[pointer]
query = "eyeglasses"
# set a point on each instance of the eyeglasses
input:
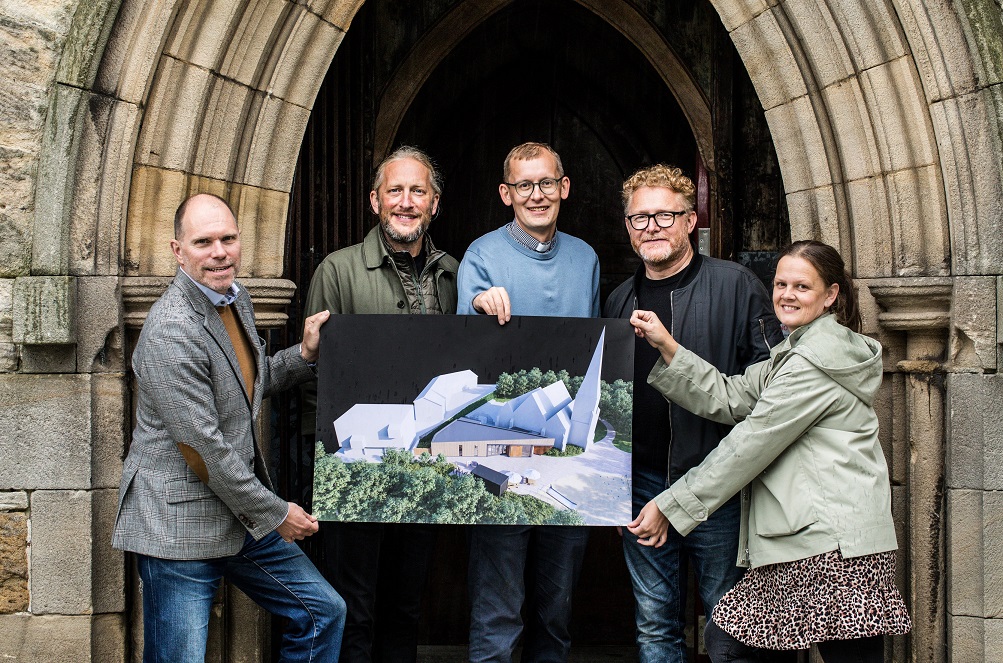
(525, 188)
(662, 219)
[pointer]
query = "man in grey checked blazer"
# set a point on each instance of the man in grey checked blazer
(195, 502)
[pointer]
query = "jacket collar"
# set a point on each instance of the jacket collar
(690, 273)
(375, 254)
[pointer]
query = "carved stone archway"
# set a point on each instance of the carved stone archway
(886, 117)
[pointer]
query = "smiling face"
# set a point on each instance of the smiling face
(665, 251)
(208, 248)
(537, 213)
(405, 203)
(799, 293)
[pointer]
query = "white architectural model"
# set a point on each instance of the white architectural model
(542, 418)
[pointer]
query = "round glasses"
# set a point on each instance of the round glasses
(662, 219)
(525, 188)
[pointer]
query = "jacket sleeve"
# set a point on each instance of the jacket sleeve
(696, 385)
(176, 375)
(473, 278)
(796, 397)
(322, 294)
(762, 325)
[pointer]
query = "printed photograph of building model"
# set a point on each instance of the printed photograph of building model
(527, 423)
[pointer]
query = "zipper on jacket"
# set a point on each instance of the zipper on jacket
(672, 325)
(762, 330)
(417, 285)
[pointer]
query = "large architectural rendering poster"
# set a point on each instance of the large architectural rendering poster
(459, 420)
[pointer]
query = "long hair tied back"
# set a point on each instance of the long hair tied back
(830, 267)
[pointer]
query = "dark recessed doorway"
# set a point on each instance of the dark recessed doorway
(545, 70)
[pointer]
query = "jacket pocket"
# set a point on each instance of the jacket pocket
(781, 503)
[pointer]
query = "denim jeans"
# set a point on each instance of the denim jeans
(658, 574)
(724, 648)
(381, 570)
(178, 594)
(501, 556)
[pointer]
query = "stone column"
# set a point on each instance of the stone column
(913, 321)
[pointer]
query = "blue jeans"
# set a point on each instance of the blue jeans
(659, 578)
(501, 556)
(178, 594)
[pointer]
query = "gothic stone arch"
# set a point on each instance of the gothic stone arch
(886, 120)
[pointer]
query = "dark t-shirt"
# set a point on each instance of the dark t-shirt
(651, 420)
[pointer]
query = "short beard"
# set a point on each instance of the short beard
(409, 238)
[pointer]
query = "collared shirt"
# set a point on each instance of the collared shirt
(527, 240)
(217, 299)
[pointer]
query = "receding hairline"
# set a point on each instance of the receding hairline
(183, 209)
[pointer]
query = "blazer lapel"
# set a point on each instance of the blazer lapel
(214, 326)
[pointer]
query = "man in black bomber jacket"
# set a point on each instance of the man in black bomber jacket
(721, 311)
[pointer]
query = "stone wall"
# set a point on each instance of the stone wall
(886, 116)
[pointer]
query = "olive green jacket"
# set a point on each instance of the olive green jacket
(805, 442)
(366, 278)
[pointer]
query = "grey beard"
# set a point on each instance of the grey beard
(410, 238)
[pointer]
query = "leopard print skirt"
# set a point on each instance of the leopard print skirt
(826, 597)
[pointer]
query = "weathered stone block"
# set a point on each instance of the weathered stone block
(873, 230)
(29, 639)
(13, 562)
(983, 25)
(110, 420)
(13, 500)
(108, 639)
(871, 30)
(174, 115)
(61, 522)
(938, 46)
(17, 192)
(974, 437)
(134, 48)
(800, 146)
(228, 105)
(774, 71)
(813, 215)
(272, 155)
(89, 251)
(893, 94)
(48, 359)
(966, 639)
(993, 556)
(155, 195)
(852, 130)
(45, 310)
(340, 12)
(45, 432)
(56, 171)
(821, 40)
(195, 35)
(85, 41)
(296, 71)
(108, 564)
(920, 214)
(969, 133)
(261, 214)
(99, 324)
(973, 322)
(8, 351)
(965, 544)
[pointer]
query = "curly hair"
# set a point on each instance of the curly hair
(661, 175)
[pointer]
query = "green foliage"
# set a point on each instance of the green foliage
(616, 402)
(424, 489)
(569, 450)
(505, 386)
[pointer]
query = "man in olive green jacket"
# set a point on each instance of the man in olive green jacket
(395, 269)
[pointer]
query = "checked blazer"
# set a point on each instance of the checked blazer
(191, 392)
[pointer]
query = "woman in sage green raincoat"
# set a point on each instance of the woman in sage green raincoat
(817, 529)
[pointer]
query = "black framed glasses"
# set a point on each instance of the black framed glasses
(662, 219)
(524, 188)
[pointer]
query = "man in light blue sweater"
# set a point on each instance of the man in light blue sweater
(527, 268)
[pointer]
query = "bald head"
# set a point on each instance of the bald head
(200, 201)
